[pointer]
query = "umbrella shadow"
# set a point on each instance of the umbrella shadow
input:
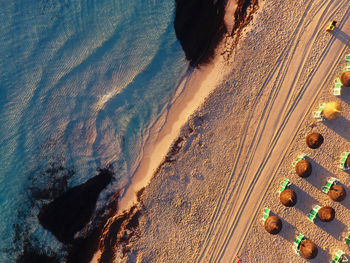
(343, 37)
(287, 231)
(346, 201)
(335, 228)
(345, 94)
(304, 200)
(319, 175)
(340, 126)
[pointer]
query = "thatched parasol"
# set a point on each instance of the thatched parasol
(337, 193)
(308, 249)
(288, 198)
(332, 110)
(345, 78)
(326, 214)
(273, 225)
(303, 168)
(314, 140)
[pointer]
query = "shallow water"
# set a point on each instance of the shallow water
(80, 83)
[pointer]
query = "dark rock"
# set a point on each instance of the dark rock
(83, 248)
(71, 211)
(118, 232)
(199, 26)
(32, 255)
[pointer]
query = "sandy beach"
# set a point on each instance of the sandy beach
(204, 201)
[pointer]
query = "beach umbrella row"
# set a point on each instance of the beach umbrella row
(303, 168)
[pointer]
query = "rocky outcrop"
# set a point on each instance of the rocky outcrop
(118, 233)
(71, 211)
(199, 26)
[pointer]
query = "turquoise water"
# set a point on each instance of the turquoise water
(80, 82)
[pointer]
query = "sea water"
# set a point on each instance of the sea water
(80, 83)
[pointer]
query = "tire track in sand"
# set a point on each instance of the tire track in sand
(281, 69)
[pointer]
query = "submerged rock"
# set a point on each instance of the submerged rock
(71, 211)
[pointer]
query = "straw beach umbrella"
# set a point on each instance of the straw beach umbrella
(273, 225)
(303, 168)
(345, 78)
(314, 140)
(308, 249)
(332, 110)
(337, 193)
(288, 198)
(326, 214)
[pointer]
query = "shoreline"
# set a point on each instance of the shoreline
(191, 94)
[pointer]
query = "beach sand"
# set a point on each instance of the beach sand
(204, 202)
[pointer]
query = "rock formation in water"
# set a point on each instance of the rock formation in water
(71, 211)
(199, 26)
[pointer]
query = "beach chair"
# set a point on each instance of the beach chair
(266, 214)
(313, 214)
(285, 185)
(347, 57)
(347, 239)
(330, 182)
(297, 243)
(342, 162)
(339, 257)
(318, 114)
(337, 88)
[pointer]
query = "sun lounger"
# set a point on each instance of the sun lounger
(337, 88)
(313, 214)
(266, 214)
(342, 163)
(318, 114)
(347, 239)
(330, 182)
(297, 243)
(347, 57)
(339, 257)
(285, 185)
